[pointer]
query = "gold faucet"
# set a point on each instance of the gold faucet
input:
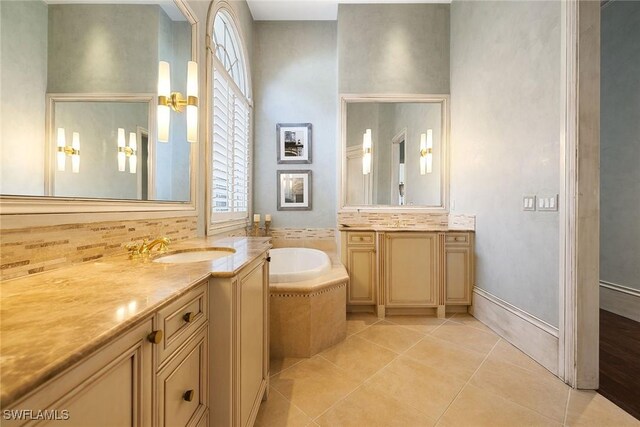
(144, 248)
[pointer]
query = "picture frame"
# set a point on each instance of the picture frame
(294, 190)
(294, 143)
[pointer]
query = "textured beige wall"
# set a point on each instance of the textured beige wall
(393, 48)
(505, 121)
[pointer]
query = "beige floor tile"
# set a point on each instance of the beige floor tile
(278, 411)
(314, 385)
(477, 407)
(469, 320)
(277, 365)
(394, 337)
(450, 358)
(472, 338)
(356, 322)
(422, 324)
(588, 408)
(367, 407)
(360, 357)
(423, 387)
(505, 352)
(547, 396)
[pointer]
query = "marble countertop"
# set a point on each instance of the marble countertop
(51, 320)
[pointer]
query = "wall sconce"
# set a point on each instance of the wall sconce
(426, 152)
(65, 150)
(130, 151)
(366, 152)
(175, 101)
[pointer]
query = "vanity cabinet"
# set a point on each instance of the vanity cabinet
(112, 387)
(459, 268)
(239, 358)
(359, 258)
(411, 269)
(408, 271)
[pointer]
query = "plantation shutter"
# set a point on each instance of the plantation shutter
(231, 130)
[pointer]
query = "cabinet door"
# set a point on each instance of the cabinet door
(110, 388)
(182, 384)
(458, 275)
(253, 344)
(411, 269)
(361, 265)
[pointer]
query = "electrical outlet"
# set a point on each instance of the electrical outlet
(548, 203)
(529, 203)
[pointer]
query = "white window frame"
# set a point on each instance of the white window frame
(227, 221)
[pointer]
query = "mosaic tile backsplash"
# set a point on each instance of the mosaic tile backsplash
(37, 249)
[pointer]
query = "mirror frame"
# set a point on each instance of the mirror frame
(26, 205)
(394, 98)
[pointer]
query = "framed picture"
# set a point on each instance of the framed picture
(294, 190)
(294, 142)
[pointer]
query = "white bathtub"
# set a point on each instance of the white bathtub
(297, 264)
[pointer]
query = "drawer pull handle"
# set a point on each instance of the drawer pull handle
(155, 337)
(268, 259)
(189, 395)
(188, 317)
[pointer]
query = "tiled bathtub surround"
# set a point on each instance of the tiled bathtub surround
(323, 239)
(33, 250)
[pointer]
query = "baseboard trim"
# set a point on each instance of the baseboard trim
(535, 337)
(620, 300)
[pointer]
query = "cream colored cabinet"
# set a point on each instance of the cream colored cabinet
(239, 357)
(411, 269)
(359, 258)
(182, 384)
(112, 387)
(459, 268)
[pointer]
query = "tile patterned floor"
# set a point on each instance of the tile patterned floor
(422, 371)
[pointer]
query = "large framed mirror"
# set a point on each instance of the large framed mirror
(394, 152)
(79, 105)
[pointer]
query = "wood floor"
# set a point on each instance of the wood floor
(619, 361)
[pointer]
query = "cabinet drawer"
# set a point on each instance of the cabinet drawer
(180, 319)
(182, 384)
(460, 238)
(361, 238)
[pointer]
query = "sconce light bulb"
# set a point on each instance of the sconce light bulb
(192, 93)
(133, 159)
(75, 157)
(366, 150)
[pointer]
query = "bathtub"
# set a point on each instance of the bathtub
(297, 264)
(307, 304)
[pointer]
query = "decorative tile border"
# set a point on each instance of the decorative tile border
(462, 222)
(33, 250)
(303, 233)
(395, 219)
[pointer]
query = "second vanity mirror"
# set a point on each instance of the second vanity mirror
(80, 84)
(394, 152)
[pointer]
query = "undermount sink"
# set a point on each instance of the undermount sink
(194, 255)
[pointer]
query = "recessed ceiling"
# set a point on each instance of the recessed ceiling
(310, 10)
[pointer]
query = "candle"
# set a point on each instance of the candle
(267, 217)
(256, 217)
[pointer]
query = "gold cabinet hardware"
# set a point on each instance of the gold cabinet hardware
(189, 395)
(188, 317)
(155, 337)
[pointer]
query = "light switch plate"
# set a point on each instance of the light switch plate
(529, 203)
(548, 203)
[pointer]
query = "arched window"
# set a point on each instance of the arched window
(230, 143)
